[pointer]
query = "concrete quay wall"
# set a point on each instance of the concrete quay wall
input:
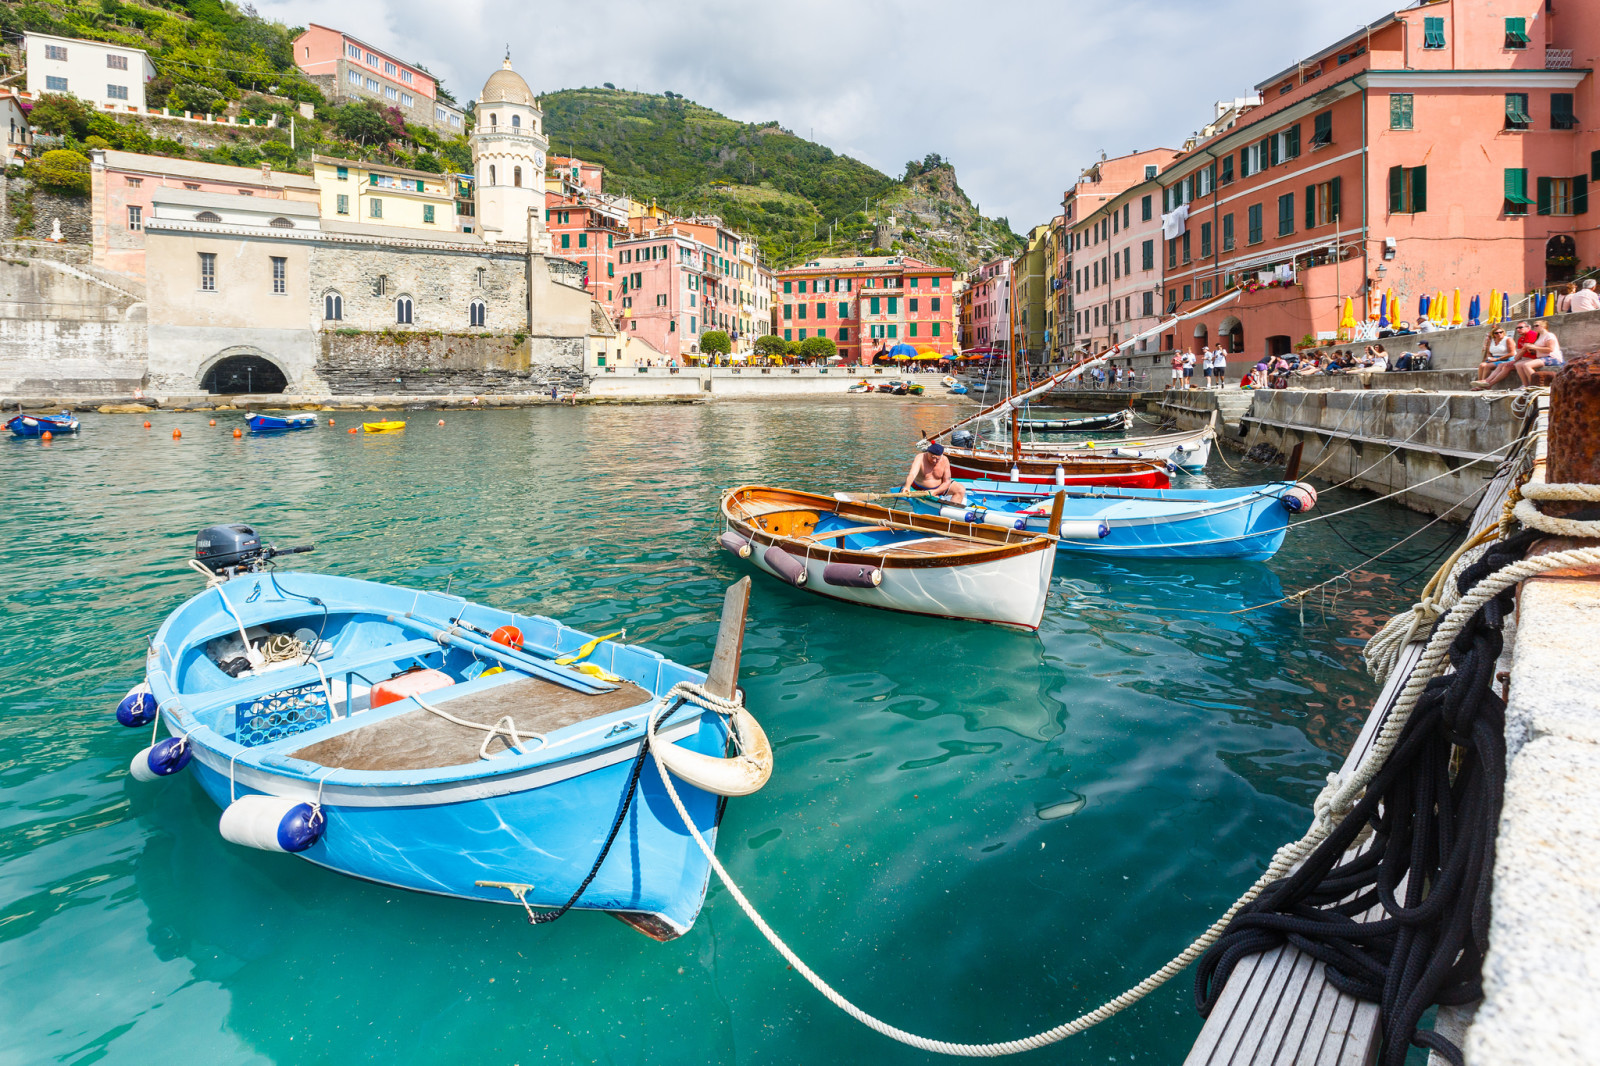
(747, 382)
(65, 331)
(1442, 446)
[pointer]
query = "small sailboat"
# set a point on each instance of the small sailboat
(862, 553)
(383, 427)
(1242, 523)
(260, 423)
(38, 425)
(417, 740)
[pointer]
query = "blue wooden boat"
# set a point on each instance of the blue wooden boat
(1243, 523)
(37, 425)
(417, 740)
(260, 423)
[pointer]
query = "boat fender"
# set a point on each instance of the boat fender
(1299, 498)
(510, 636)
(1085, 529)
(958, 514)
(785, 566)
(735, 543)
(138, 707)
(272, 823)
(1016, 475)
(1003, 519)
(852, 575)
(161, 759)
(1061, 475)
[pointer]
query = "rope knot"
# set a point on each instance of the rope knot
(1332, 804)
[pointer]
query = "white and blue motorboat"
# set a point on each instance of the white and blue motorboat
(1243, 523)
(260, 423)
(39, 425)
(417, 740)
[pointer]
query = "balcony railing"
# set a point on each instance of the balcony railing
(1558, 59)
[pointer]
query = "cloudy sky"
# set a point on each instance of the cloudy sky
(1019, 94)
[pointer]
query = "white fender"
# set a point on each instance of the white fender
(737, 776)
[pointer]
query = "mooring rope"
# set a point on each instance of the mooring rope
(1333, 805)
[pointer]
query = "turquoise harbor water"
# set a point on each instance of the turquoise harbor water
(974, 833)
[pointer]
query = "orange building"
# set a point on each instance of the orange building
(1438, 148)
(867, 306)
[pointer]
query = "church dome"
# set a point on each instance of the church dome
(505, 86)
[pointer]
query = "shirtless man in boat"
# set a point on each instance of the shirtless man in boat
(930, 472)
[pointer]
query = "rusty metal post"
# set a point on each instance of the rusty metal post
(1574, 440)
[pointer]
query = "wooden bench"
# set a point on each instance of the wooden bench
(1278, 1008)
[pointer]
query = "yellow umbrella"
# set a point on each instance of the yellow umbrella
(902, 358)
(1494, 307)
(925, 356)
(1348, 321)
(1394, 311)
(1440, 311)
(1455, 308)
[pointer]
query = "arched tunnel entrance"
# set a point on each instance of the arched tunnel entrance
(244, 374)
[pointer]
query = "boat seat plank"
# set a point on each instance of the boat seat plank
(421, 740)
(254, 688)
(836, 534)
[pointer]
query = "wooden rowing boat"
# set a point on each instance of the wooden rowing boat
(866, 554)
(1189, 451)
(1060, 471)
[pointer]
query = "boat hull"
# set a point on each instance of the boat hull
(1032, 470)
(1152, 524)
(545, 836)
(1091, 424)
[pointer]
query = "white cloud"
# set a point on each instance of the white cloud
(1019, 94)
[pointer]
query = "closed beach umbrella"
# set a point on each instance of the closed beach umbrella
(1394, 308)
(1383, 311)
(1422, 306)
(1475, 312)
(1549, 304)
(1440, 309)
(1348, 320)
(1455, 308)
(1494, 306)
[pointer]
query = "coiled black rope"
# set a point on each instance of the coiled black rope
(541, 917)
(1433, 810)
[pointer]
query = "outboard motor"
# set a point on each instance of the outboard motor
(237, 546)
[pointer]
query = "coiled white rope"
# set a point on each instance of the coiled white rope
(1527, 511)
(1331, 806)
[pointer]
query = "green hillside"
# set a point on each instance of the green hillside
(762, 179)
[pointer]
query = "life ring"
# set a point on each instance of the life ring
(737, 776)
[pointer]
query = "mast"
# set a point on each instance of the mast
(1016, 426)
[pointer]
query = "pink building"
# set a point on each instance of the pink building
(1445, 146)
(1105, 247)
(867, 306)
(346, 68)
(123, 186)
(662, 280)
(986, 307)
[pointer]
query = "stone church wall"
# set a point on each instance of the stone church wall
(433, 364)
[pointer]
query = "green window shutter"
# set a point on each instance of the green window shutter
(419, 185)
(372, 179)
(1517, 185)
(566, 240)
(1311, 206)
(611, 241)
(1580, 195)
(1244, 163)
(1594, 166)
(894, 305)
(1433, 33)
(1517, 33)
(1323, 132)
(1397, 178)
(1335, 189)
(1419, 189)
(1544, 196)
(1272, 152)
(1291, 142)
(876, 306)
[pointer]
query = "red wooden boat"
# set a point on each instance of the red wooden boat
(1050, 470)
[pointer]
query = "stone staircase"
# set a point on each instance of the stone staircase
(1192, 408)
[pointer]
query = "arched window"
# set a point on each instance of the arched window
(494, 120)
(208, 216)
(516, 176)
(332, 307)
(281, 223)
(402, 311)
(491, 174)
(516, 121)
(477, 313)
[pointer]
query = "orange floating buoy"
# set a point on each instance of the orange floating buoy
(177, 433)
(352, 429)
(510, 636)
(213, 421)
(147, 425)
(47, 435)
(330, 421)
(238, 433)
(441, 421)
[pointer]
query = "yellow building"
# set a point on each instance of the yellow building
(380, 195)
